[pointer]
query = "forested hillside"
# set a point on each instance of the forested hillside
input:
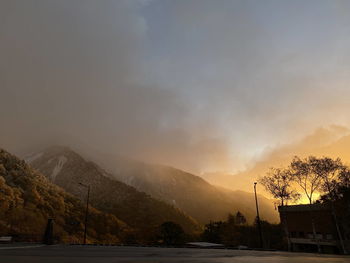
(28, 199)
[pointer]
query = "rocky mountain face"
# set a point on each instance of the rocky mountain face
(188, 192)
(68, 169)
(28, 199)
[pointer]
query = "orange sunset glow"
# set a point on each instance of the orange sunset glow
(150, 128)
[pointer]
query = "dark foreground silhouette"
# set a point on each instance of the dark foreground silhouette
(109, 254)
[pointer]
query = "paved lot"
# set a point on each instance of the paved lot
(100, 254)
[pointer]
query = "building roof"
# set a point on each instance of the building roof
(299, 208)
(204, 244)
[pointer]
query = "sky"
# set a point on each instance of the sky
(202, 85)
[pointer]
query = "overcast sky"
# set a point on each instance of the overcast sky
(196, 84)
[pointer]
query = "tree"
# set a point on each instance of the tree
(345, 178)
(233, 235)
(277, 183)
(171, 233)
(213, 232)
(306, 174)
(317, 174)
(340, 187)
(331, 172)
(231, 219)
(340, 190)
(240, 219)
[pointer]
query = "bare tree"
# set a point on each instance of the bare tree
(330, 171)
(338, 186)
(344, 177)
(304, 172)
(277, 183)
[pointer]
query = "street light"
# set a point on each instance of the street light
(258, 217)
(87, 210)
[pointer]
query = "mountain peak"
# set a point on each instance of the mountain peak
(68, 169)
(36, 199)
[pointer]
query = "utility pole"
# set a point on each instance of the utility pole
(86, 211)
(331, 194)
(258, 217)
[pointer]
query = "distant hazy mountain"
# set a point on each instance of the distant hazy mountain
(195, 196)
(243, 180)
(28, 199)
(67, 169)
(332, 141)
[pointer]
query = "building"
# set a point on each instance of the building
(310, 228)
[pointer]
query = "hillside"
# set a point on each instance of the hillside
(188, 192)
(191, 193)
(28, 199)
(67, 169)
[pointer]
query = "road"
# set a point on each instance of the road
(101, 254)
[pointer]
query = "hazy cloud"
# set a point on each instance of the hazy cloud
(201, 85)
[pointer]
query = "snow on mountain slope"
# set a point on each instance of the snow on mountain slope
(186, 191)
(68, 169)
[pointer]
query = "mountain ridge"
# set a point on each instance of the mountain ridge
(138, 209)
(26, 193)
(188, 192)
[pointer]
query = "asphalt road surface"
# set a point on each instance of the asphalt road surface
(101, 254)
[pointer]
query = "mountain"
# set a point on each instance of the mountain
(243, 180)
(67, 169)
(28, 199)
(188, 192)
(191, 193)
